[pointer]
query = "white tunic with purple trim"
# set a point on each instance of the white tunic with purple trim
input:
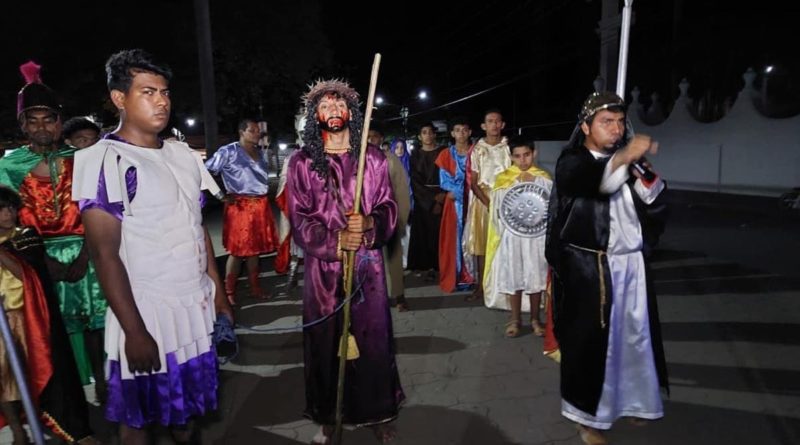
(164, 253)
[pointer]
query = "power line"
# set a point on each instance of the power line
(558, 61)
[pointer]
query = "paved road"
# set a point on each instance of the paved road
(728, 282)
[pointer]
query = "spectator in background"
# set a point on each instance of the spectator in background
(248, 229)
(429, 198)
(80, 132)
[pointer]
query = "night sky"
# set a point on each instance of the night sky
(537, 58)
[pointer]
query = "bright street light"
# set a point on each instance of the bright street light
(423, 95)
(190, 122)
(282, 146)
(378, 100)
(769, 69)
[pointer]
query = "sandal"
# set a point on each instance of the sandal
(477, 294)
(538, 329)
(430, 276)
(512, 328)
(402, 304)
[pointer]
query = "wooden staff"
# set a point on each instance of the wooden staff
(349, 260)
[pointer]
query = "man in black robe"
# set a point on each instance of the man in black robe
(604, 218)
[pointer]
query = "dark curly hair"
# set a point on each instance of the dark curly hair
(312, 133)
(123, 65)
(76, 124)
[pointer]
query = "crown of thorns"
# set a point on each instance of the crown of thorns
(599, 101)
(332, 86)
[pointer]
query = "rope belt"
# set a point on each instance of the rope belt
(601, 271)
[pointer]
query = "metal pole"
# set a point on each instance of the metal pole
(19, 376)
(622, 68)
(202, 18)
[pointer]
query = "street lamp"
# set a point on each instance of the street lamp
(764, 100)
(190, 122)
(404, 109)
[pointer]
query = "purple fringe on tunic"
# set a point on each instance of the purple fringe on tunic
(169, 398)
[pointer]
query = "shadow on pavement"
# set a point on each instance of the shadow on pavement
(769, 333)
(442, 302)
(688, 423)
(427, 345)
(739, 379)
(275, 349)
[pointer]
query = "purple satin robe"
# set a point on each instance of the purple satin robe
(372, 384)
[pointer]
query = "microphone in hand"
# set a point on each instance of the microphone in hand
(640, 166)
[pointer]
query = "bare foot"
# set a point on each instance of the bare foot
(385, 432)
(591, 436)
(323, 436)
(637, 421)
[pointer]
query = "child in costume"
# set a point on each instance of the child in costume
(518, 263)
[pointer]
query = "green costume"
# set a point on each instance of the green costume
(48, 206)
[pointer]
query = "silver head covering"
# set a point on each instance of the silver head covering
(593, 104)
(597, 102)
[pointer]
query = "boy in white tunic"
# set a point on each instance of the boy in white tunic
(517, 262)
(140, 199)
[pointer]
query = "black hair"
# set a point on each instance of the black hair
(123, 65)
(9, 198)
(377, 129)
(459, 120)
(76, 124)
(493, 110)
(245, 121)
(427, 124)
(519, 141)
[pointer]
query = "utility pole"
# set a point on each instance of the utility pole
(608, 28)
(202, 19)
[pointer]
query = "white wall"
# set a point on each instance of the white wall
(744, 152)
